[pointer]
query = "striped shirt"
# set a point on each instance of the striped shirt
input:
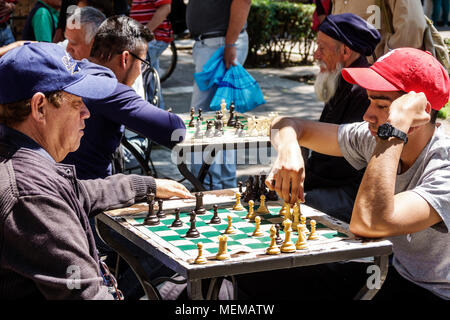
(143, 11)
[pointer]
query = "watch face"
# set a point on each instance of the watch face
(384, 131)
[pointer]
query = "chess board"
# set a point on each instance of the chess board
(228, 131)
(240, 245)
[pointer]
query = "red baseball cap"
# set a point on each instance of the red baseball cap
(404, 69)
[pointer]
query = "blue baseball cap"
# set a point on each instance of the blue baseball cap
(46, 67)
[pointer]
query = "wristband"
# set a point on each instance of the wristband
(230, 45)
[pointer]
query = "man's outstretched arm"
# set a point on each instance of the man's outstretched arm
(287, 135)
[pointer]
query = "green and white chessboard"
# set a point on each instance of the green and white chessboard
(241, 244)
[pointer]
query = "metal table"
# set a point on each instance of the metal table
(209, 147)
(344, 250)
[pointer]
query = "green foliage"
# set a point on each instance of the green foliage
(444, 112)
(275, 29)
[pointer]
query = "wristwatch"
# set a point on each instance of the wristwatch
(386, 131)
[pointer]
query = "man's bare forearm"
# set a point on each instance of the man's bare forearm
(160, 14)
(374, 204)
(238, 16)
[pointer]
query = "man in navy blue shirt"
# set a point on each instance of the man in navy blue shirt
(118, 51)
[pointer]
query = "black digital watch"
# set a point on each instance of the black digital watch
(385, 131)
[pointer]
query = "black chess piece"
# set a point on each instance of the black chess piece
(262, 185)
(215, 218)
(191, 123)
(236, 120)
(278, 239)
(256, 189)
(160, 212)
(199, 209)
(249, 190)
(209, 132)
(177, 221)
(192, 232)
(272, 195)
(231, 120)
(240, 187)
(200, 117)
(151, 219)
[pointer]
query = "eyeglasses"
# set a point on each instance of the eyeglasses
(145, 66)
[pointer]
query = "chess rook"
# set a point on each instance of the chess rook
(199, 209)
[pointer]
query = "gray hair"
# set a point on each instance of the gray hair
(88, 18)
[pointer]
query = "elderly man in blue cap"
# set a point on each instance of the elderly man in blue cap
(343, 41)
(47, 248)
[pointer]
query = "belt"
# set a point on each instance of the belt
(204, 36)
(3, 25)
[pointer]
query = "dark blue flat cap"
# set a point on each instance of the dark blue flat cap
(353, 31)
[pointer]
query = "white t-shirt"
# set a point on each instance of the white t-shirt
(422, 257)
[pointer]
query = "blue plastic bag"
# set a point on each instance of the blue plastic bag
(212, 72)
(234, 85)
(240, 87)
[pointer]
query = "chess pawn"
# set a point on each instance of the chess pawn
(251, 211)
(177, 221)
(273, 248)
(160, 212)
(301, 243)
(278, 239)
(230, 229)
(257, 232)
(192, 232)
(262, 208)
(288, 246)
(200, 258)
(151, 219)
(238, 206)
(215, 218)
(222, 253)
(231, 120)
(223, 108)
(313, 235)
(284, 209)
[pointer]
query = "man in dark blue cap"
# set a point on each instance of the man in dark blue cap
(343, 41)
(47, 248)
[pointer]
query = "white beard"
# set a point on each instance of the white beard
(326, 83)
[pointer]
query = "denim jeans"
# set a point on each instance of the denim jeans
(222, 173)
(6, 36)
(202, 51)
(155, 49)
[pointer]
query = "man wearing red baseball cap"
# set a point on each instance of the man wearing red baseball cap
(404, 191)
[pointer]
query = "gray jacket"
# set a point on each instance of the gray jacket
(47, 249)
